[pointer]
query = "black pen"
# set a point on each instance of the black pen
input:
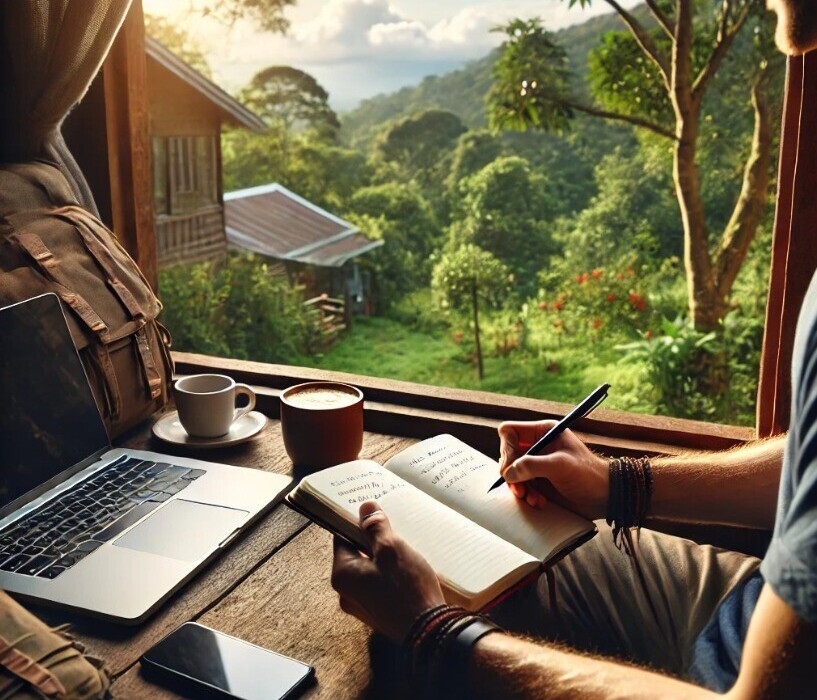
(582, 410)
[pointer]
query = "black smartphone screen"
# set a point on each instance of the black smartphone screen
(237, 668)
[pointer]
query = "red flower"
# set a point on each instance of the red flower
(611, 297)
(597, 273)
(637, 301)
(582, 278)
(596, 324)
(648, 334)
(543, 305)
(559, 304)
(619, 275)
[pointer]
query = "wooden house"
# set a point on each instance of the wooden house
(186, 112)
(316, 248)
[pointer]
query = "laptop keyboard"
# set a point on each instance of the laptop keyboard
(62, 532)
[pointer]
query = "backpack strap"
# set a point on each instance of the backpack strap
(27, 669)
(33, 245)
(44, 259)
(106, 262)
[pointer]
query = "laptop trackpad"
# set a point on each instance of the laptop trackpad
(183, 530)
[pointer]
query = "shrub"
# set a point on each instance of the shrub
(240, 310)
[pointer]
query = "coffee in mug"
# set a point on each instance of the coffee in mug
(322, 424)
(206, 404)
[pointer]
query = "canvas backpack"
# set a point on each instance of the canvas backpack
(48, 243)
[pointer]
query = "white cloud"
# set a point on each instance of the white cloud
(357, 48)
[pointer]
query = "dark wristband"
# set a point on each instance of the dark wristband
(457, 655)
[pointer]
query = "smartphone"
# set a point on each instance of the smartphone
(200, 660)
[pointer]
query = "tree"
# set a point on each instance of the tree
(677, 62)
(292, 98)
(178, 41)
(267, 14)
(475, 150)
(468, 276)
(401, 217)
(506, 210)
(416, 143)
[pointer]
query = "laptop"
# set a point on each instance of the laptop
(109, 532)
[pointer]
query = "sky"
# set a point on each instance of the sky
(360, 48)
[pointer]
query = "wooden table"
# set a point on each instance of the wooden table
(271, 588)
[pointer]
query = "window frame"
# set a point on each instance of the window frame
(423, 409)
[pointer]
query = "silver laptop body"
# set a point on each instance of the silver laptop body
(109, 532)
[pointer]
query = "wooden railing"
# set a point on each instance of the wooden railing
(329, 317)
(191, 238)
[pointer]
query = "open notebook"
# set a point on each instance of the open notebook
(436, 495)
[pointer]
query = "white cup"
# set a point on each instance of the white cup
(206, 404)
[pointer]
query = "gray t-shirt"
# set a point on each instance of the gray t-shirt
(790, 564)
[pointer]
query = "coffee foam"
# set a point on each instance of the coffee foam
(322, 397)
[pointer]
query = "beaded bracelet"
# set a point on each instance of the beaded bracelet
(437, 650)
(629, 496)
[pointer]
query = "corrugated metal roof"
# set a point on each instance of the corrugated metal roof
(273, 221)
(234, 110)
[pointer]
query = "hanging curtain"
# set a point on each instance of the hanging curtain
(50, 50)
(794, 247)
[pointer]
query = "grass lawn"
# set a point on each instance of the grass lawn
(385, 348)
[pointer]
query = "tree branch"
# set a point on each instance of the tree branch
(751, 204)
(661, 18)
(723, 43)
(616, 116)
(644, 41)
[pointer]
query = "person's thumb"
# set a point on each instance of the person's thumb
(376, 528)
(532, 467)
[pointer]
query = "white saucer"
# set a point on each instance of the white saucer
(169, 429)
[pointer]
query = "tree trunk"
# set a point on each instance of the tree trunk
(477, 345)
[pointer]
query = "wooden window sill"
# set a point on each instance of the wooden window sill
(418, 410)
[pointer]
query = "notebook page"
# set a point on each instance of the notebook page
(459, 476)
(466, 556)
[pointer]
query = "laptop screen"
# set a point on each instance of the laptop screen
(48, 417)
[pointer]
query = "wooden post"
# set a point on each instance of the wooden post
(129, 154)
(794, 251)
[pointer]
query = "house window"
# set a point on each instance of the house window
(160, 180)
(182, 164)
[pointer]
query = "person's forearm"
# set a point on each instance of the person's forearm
(507, 667)
(737, 487)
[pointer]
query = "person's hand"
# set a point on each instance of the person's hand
(389, 590)
(567, 473)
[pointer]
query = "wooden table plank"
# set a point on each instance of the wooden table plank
(121, 646)
(288, 605)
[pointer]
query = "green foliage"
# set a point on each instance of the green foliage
(633, 216)
(468, 272)
(290, 97)
(240, 310)
(475, 150)
(415, 142)
(267, 14)
(602, 302)
(531, 80)
(401, 217)
(179, 41)
(675, 361)
(625, 81)
(505, 209)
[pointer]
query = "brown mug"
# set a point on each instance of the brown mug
(322, 424)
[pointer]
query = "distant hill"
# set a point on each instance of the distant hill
(463, 91)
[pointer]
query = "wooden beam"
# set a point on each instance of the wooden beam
(419, 410)
(794, 251)
(126, 113)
